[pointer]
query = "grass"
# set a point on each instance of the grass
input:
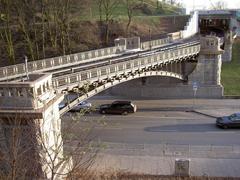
(149, 9)
(231, 72)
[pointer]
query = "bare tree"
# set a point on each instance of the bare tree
(26, 21)
(107, 7)
(131, 5)
(6, 32)
(100, 3)
(25, 149)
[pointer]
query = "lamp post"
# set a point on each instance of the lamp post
(150, 39)
(26, 66)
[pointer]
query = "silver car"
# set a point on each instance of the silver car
(82, 106)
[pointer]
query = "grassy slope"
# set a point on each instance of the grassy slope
(231, 72)
(120, 12)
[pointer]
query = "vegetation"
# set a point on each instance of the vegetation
(129, 176)
(231, 72)
(25, 148)
(42, 29)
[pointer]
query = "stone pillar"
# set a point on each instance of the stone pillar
(30, 129)
(207, 73)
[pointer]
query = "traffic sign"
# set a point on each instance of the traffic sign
(195, 86)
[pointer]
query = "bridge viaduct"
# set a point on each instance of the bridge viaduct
(30, 93)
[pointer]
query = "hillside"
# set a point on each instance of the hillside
(60, 28)
(143, 8)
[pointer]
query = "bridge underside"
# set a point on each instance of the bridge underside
(162, 88)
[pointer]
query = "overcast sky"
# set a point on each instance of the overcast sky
(200, 4)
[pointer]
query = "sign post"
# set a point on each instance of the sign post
(195, 88)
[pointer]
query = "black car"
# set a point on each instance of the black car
(118, 107)
(232, 121)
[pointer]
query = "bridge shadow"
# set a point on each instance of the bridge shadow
(176, 108)
(188, 128)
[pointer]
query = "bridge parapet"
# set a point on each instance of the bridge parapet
(107, 72)
(211, 45)
(30, 94)
(44, 65)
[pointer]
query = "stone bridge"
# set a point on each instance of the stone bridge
(32, 91)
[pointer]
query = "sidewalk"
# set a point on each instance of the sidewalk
(156, 165)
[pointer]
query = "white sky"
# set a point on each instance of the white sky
(201, 4)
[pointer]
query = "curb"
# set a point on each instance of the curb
(231, 97)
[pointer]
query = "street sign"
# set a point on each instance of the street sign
(195, 86)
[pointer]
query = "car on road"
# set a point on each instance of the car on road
(118, 107)
(232, 121)
(82, 106)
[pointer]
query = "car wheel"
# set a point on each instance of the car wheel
(225, 127)
(103, 112)
(125, 113)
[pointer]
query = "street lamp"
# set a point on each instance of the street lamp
(26, 66)
(150, 38)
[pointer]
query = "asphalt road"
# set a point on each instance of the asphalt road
(152, 124)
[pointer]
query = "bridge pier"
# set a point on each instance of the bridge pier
(207, 73)
(31, 144)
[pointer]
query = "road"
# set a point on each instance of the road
(149, 141)
(154, 124)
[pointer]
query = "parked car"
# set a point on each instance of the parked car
(232, 121)
(82, 106)
(118, 107)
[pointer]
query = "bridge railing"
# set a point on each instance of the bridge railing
(101, 73)
(56, 62)
(19, 70)
(155, 43)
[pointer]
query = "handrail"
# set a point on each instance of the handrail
(18, 70)
(94, 74)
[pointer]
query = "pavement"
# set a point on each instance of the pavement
(158, 165)
(158, 158)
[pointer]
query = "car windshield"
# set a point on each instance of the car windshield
(82, 103)
(233, 116)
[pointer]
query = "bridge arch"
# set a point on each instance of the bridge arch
(96, 89)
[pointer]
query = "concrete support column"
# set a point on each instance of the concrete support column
(31, 134)
(208, 70)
